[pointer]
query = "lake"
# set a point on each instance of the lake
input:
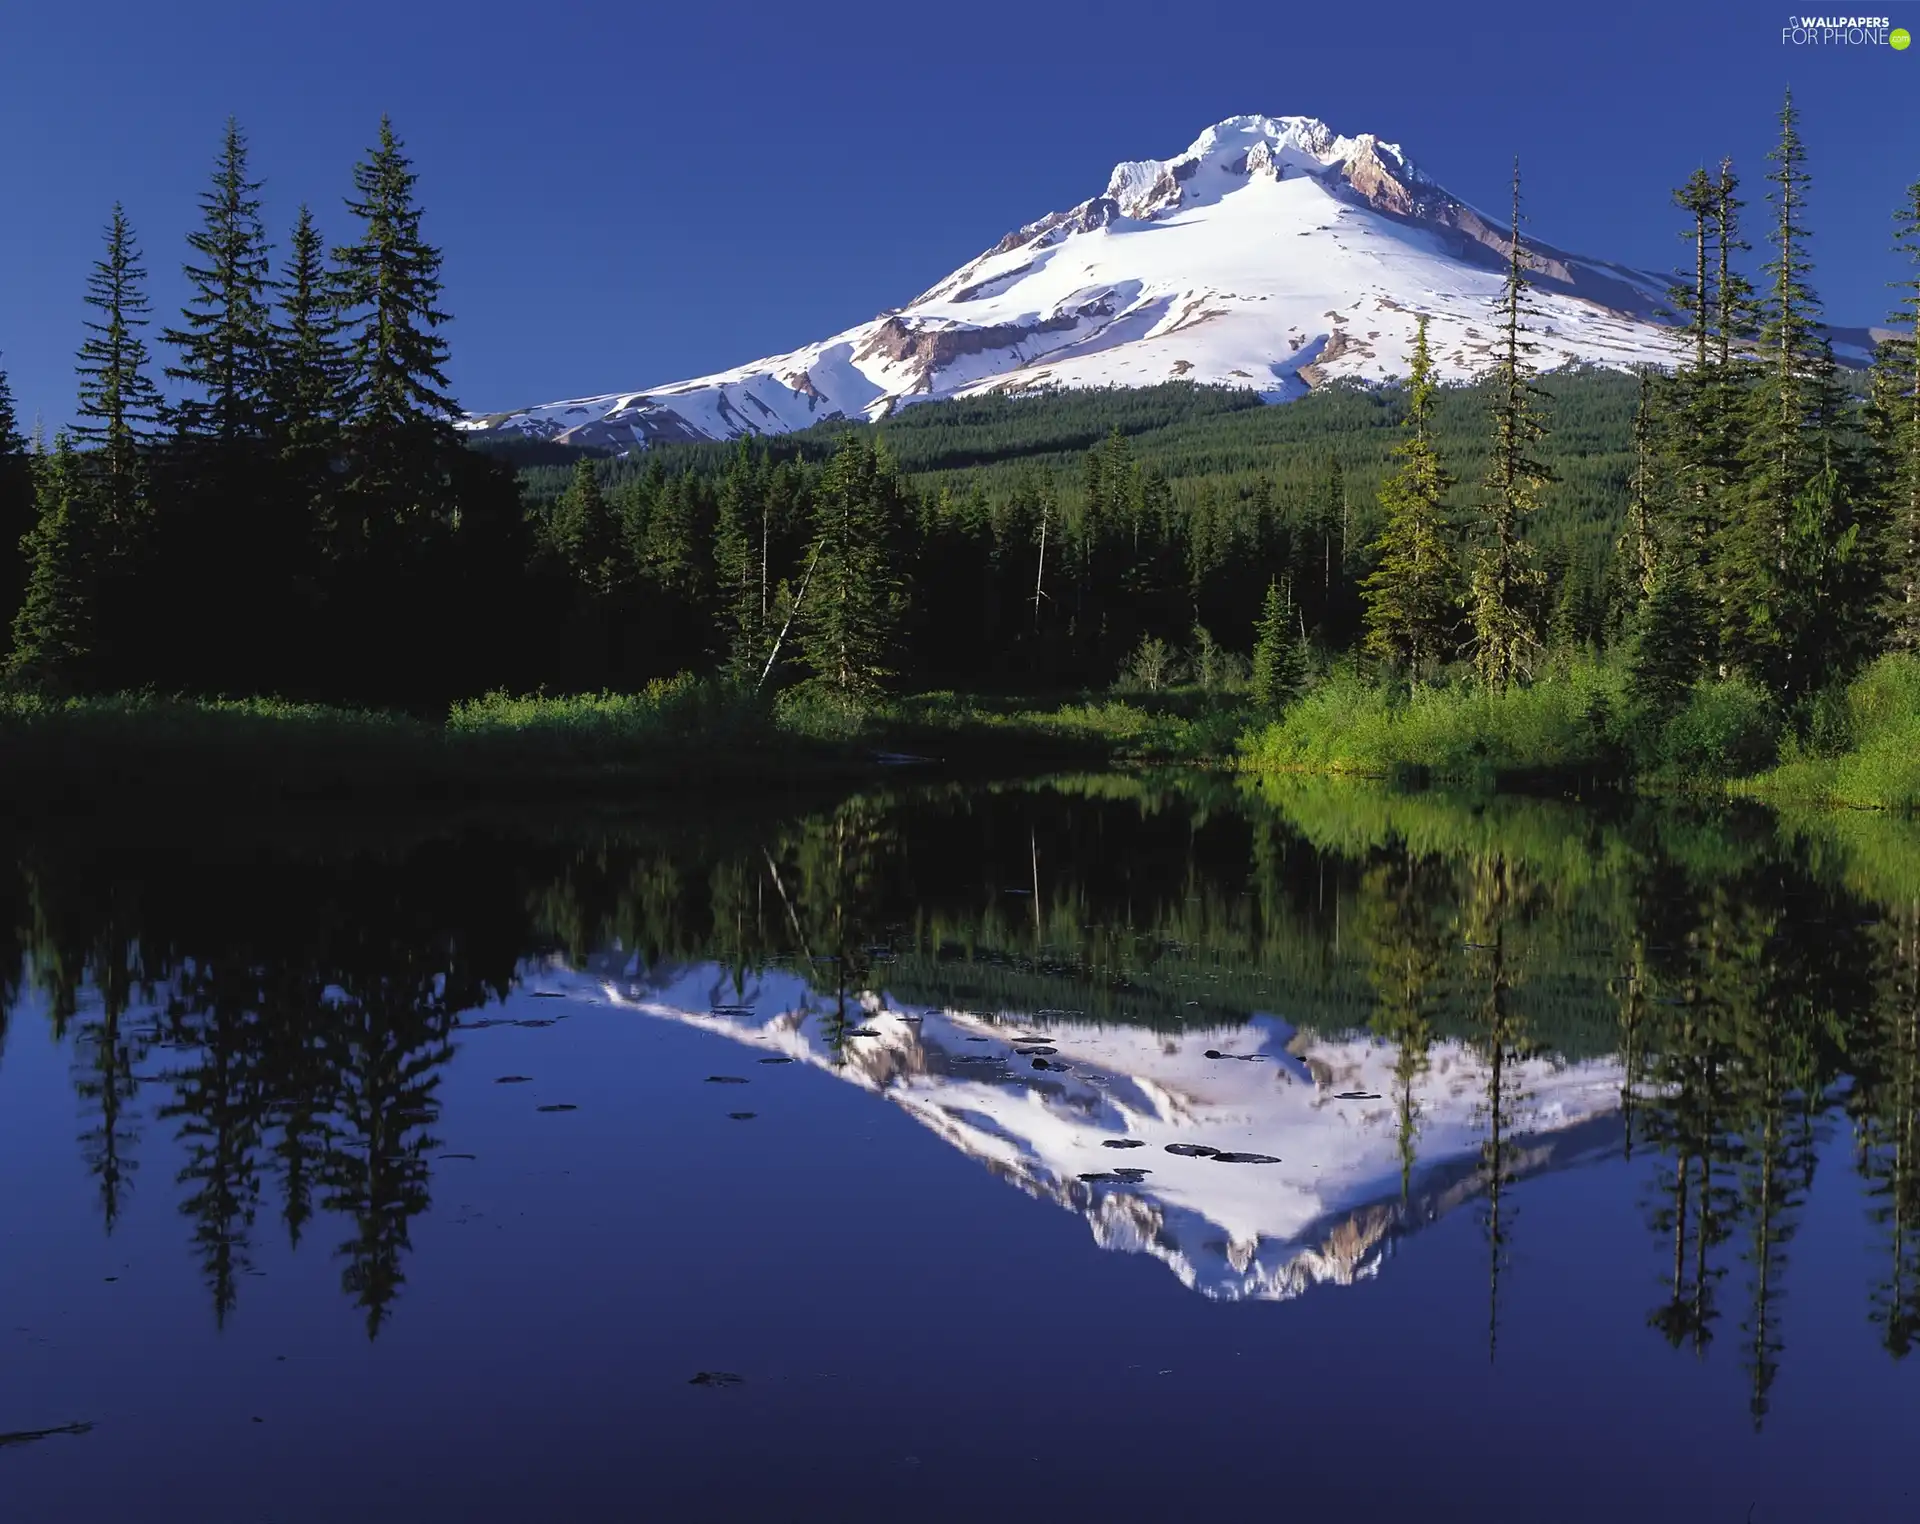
(1105, 1147)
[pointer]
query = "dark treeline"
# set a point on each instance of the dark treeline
(306, 521)
(1772, 520)
(1034, 559)
(286, 1027)
(1744, 518)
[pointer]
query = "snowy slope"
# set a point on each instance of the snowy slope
(1325, 1210)
(1272, 254)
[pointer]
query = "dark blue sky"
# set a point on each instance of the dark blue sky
(634, 193)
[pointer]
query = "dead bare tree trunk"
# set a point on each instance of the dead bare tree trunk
(799, 598)
(1040, 572)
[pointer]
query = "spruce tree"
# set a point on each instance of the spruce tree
(678, 538)
(1733, 293)
(1895, 419)
(12, 441)
(1793, 560)
(855, 597)
(217, 501)
(1701, 438)
(17, 507)
(1736, 314)
(119, 405)
(1693, 299)
(1667, 638)
(1687, 423)
(586, 530)
(399, 412)
(53, 629)
(1504, 578)
(224, 341)
(1568, 625)
(740, 571)
(1279, 653)
(1637, 552)
(1777, 460)
(309, 366)
(1412, 595)
(308, 379)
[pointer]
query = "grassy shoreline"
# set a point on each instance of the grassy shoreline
(1574, 730)
(1581, 726)
(676, 736)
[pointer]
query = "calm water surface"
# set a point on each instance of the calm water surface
(1096, 1149)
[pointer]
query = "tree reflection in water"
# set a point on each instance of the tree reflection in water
(282, 1015)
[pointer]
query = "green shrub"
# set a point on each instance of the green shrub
(821, 712)
(1879, 719)
(1723, 730)
(680, 708)
(1564, 722)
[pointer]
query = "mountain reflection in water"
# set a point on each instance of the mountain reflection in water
(1320, 1126)
(1415, 1003)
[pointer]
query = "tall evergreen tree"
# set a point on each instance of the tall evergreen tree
(1279, 652)
(587, 532)
(217, 502)
(12, 442)
(1638, 551)
(399, 412)
(53, 629)
(1504, 578)
(1666, 637)
(225, 341)
(1733, 293)
(1412, 595)
(1692, 297)
(119, 406)
(1736, 311)
(1794, 557)
(17, 508)
(1895, 419)
(1687, 424)
(855, 596)
(308, 381)
(309, 371)
(740, 571)
(678, 539)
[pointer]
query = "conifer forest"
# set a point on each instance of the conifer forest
(907, 928)
(266, 494)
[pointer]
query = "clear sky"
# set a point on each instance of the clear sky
(636, 193)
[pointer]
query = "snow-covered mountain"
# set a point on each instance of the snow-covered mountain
(1089, 1117)
(1272, 254)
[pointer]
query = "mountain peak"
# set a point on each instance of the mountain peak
(1272, 254)
(1306, 138)
(1269, 147)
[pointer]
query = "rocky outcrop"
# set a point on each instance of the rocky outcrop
(1382, 178)
(928, 349)
(1050, 229)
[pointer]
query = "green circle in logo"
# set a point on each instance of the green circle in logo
(1899, 38)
